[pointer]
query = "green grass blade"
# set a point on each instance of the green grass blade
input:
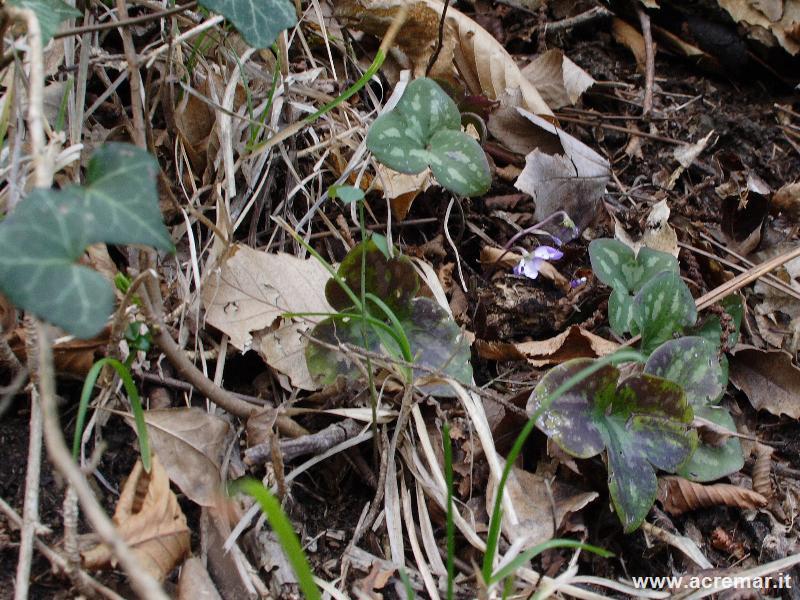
(530, 553)
(136, 407)
(286, 535)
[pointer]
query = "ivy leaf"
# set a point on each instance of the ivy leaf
(42, 240)
(662, 307)
(616, 265)
(50, 14)
(437, 344)
(259, 21)
(393, 280)
(709, 463)
(642, 423)
(693, 363)
(424, 130)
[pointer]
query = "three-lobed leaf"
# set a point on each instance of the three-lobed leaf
(626, 272)
(424, 130)
(43, 239)
(259, 21)
(641, 422)
(693, 362)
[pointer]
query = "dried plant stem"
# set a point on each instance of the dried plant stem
(134, 77)
(141, 581)
(650, 61)
(126, 22)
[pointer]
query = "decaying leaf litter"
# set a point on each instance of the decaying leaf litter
(708, 175)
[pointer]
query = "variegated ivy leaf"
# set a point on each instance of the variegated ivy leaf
(424, 130)
(642, 423)
(694, 363)
(616, 265)
(662, 307)
(259, 21)
(43, 239)
(437, 345)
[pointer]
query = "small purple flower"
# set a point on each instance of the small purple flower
(577, 282)
(531, 263)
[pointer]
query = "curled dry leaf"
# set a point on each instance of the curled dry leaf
(535, 499)
(679, 495)
(248, 295)
(629, 37)
(575, 342)
(787, 200)
(658, 234)
(191, 444)
(152, 524)
(762, 482)
(481, 60)
(573, 181)
(780, 23)
(559, 80)
(769, 379)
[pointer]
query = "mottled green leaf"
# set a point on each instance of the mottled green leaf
(693, 363)
(393, 280)
(42, 240)
(662, 307)
(424, 130)
(708, 462)
(642, 423)
(608, 257)
(259, 21)
(620, 312)
(50, 14)
(437, 346)
(458, 163)
(346, 193)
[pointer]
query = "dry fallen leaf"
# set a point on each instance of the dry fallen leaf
(781, 24)
(480, 59)
(559, 81)
(787, 200)
(679, 495)
(191, 444)
(72, 357)
(629, 37)
(573, 181)
(153, 525)
(769, 379)
(658, 234)
(535, 499)
(246, 297)
(195, 582)
(575, 342)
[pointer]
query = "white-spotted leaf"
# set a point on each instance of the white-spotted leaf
(708, 462)
(662, 307)
(43, 239)
(259, 21)
(424, 130)
(641, 422)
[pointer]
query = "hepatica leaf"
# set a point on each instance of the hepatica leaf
(259, 21)
(42, 240)
(424, 130)
(642, 423)
(393, 280)
(437, 344)
(616, 265)
(662, 307)
(709, 462)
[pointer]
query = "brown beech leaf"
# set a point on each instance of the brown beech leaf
(191, 443)
(481, 60)
(246, 297)
(534, 501)
(575, 342)
(679, 495)
(150, 521)
(559, 80)
(769, 379)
